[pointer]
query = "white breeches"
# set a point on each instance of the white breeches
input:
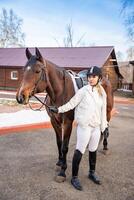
(88, 136)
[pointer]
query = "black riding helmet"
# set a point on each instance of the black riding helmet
(94, 71)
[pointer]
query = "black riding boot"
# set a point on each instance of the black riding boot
(75, 168)
(92, 164)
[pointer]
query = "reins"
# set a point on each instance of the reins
(43, 103)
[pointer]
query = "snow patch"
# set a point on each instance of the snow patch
(23, 117)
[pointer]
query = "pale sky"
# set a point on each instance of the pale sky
(43, 20)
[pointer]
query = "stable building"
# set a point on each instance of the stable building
(127, 71)
(12, 61)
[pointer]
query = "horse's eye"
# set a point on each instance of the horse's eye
(37, 71)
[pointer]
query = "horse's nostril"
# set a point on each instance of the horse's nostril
(20, 99)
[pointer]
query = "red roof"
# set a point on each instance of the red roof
(62, 56)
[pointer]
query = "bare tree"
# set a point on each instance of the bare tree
(130, 53)
(128, 13)
(69, 39)
(119, 56)
(10, 29)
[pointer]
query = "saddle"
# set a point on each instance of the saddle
(78, 79)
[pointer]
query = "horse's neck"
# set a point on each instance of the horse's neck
(55, 77)
(107, 85)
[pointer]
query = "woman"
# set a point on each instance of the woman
(90, 114)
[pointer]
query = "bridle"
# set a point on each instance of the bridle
(41, 78)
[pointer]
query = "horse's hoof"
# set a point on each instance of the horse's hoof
(57, 168)
(105, 151)
(60, 179)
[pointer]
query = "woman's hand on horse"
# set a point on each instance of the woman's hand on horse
(53, 109)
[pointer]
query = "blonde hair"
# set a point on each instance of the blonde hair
(99, 89)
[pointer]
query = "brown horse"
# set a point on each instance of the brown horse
(40, 75)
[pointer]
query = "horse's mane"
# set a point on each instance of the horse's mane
(60, 71)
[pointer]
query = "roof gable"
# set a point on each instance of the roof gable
(61, 56)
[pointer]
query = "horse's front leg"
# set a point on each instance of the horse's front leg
(64, 149)
(58, 131)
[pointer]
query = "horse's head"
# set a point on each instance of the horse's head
(35, 77)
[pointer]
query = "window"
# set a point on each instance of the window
(14, 75)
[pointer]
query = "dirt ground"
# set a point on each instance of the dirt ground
(27, 165)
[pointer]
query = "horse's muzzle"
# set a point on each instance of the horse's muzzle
(21, 99)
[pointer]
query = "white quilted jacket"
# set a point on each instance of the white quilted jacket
(90, 109)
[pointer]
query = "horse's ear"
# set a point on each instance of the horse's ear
(38, 54)
(28, 54)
